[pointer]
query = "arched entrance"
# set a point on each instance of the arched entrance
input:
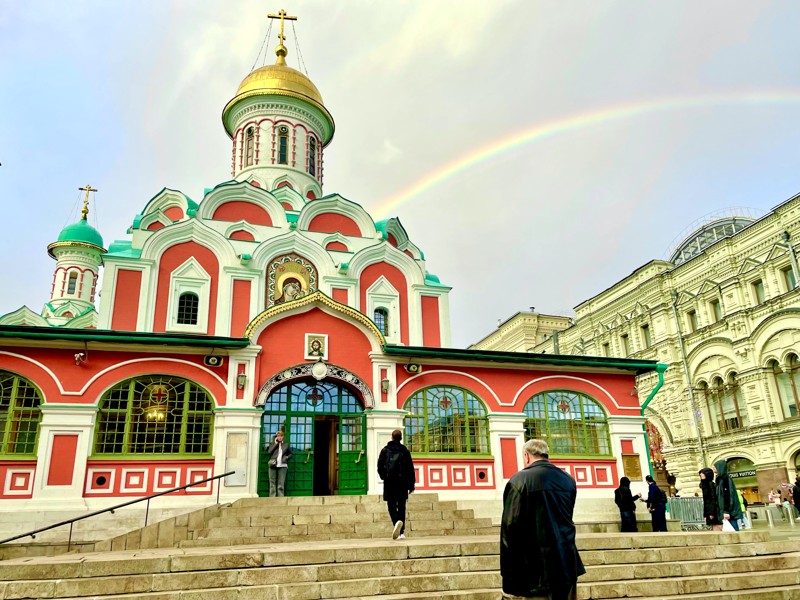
(325, 425)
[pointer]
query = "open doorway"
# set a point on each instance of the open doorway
(326, 463)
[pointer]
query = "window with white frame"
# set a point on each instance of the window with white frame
(189, 298)
(382, 296)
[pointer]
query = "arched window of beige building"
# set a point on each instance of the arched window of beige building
(723, 400)
(787, 382)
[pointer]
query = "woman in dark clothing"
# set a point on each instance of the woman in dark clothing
(627, 505)
(727, 500)
(710, 511)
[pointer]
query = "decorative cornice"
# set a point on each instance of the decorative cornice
(74, 245)
(313, 298)
(303, 371)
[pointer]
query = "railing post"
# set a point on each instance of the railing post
(146, 512)
(790, 515)
(219, 487)
(770, 522)
(69, 539)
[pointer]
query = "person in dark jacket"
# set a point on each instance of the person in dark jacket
(279, 454)
(710, 510)
(657, 504)
(396, 470)
(627, 505)
(727, 500)
(538, 556)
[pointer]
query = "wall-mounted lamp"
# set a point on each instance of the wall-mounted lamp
(241, 380)
(385, 386)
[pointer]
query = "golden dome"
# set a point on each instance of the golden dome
(280, 80)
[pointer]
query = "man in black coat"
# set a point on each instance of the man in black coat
(796, 494)
(657, 504)
(538, 556)
(396, 469)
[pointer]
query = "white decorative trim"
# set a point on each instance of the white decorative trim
(467, 375)
(143, 471)
(111, 480)
(306, 370)
(10, 474)
(158, 488)
(190, 277)
(340, 206)
(382, 294)
(570, 377)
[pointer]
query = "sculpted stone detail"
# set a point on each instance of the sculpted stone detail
(308, 370)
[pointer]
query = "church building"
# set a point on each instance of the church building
(269, 304)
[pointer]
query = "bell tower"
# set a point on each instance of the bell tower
(79, 253)
(279, 126)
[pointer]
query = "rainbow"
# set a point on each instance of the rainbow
(542, 131)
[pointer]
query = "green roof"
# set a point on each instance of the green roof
(118, 336)
(81, 232)
(588, 362)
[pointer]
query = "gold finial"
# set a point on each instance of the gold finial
(280, 51)
(85, 211)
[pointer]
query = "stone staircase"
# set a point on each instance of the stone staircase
(308, 519)
(668, 566)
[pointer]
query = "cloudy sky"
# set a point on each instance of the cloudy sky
(537, 151)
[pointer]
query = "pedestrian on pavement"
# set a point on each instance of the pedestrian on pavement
(538, 556)
(727, 500)
(279, 452)
(657, 504)
(396, 469)
(627, 505)
(796, 494)
(744, 522)
(710, 510)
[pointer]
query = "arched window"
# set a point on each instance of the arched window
(249, 146)
(72, 283)
(155, 414)
(19, 415)
(312, 157)
(570, 422)
(188, 306)
(446, 419)
(723, 403)
(283, 145)
(381, 318)
(787, 381)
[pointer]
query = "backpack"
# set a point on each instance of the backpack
(394, 463)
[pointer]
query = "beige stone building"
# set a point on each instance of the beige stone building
(724, 314)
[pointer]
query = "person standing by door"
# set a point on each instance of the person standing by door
(396, 470)
(279, 454)
(657, 504)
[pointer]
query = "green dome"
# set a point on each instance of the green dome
(81, 232)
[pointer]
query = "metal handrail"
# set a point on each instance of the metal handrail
(111, 509)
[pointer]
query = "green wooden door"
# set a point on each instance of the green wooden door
(352, 455)
(292, 408)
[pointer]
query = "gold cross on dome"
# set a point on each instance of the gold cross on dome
(282, 15)
(85, 211)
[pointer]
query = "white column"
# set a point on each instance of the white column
(380, 424)
(237, 436)
(66, 420)
(630, 428)
(505, 426)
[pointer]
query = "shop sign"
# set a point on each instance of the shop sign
(751, 473)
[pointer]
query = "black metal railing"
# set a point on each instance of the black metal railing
(111, 509)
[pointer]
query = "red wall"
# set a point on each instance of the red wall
(332, 222)
(283, 344)
(240, 309)
(62, 460)
(238, 210)
(340, 295)
(431, 330)
(507, 382)
(171, 260)
(73, 378)
(371, 274)
(126, 300)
